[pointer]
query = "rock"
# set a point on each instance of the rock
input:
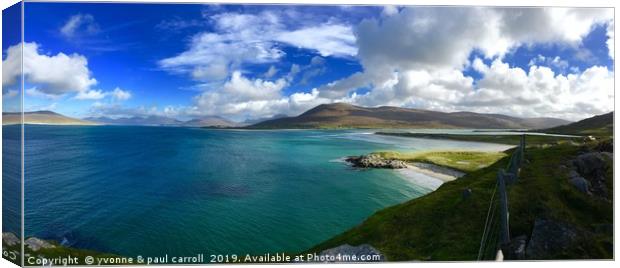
(550, 238)
(347, 251)
(375, 161)
(590, 164)
(581, 184)
(515, 250)
(593, 167)
(35, 244)
(10, 239)
(466, 193)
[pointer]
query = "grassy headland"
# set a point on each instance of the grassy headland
(448, 225)
(466, 161)
(444, 225)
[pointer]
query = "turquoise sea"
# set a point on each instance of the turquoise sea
(159, 190)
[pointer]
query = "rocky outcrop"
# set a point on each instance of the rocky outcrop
(375, 161)
(550, 238)
(589, 173)
(36, 244)
(362, 253)
(10, 239)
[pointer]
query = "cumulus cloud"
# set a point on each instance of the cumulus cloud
(415, 57)
(93, 94)
(121, 95)
(241, 39)
(53, 74)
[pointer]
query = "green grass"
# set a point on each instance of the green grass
(445, 226)
(60, 251)
(466, 161)
(502, 139)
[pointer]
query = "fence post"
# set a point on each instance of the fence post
(503, 206)
(522, 149)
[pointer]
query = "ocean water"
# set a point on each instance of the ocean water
(158, 190)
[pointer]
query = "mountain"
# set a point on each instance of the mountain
(210, 121)
(341, 115)
(153, 120)
(44, 118)
(602, 125)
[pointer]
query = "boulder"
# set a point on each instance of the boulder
(593, 167)
(466, 193)
(375, 161)
(590, 164)
(347, 251)
(35, 244)
(581, 184)
(550, 238)
(10, 239)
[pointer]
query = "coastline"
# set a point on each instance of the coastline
(428, 176)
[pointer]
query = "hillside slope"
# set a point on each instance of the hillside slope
(600, 125)
(43, 117)
(340, 115)
(446, 226)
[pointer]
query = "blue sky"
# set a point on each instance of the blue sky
(249, 62)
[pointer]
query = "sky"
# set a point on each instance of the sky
(252, 62)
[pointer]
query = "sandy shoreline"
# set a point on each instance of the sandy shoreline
(428, 176)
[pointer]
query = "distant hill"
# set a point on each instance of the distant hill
(44, 118)
(341, 115)
(153, 120)
(601, 125)
(210, 121)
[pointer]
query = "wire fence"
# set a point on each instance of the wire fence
(496, 233)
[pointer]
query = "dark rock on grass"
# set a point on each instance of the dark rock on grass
(515, 250)
(580, 183)
(9, 239)
(589, 173)
(590, 164)
(466, 193)
(375, 161)
(346, 253)
(550, 238)
(35, 244)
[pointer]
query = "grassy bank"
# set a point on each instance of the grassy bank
(466, 161)
(57, 251)
(444, 225)
(503, 139)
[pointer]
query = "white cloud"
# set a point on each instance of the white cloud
(9, 93)
(610, 39)
(271, 72)
(241, 39)
(556, 62)
(52, 74)
(95, 94)
(79, 24)
(327, 39)
(416, 57)
(92, 94)
(121, 95)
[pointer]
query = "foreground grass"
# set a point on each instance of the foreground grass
(444, 225)
(59, 251)
(466, 161)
